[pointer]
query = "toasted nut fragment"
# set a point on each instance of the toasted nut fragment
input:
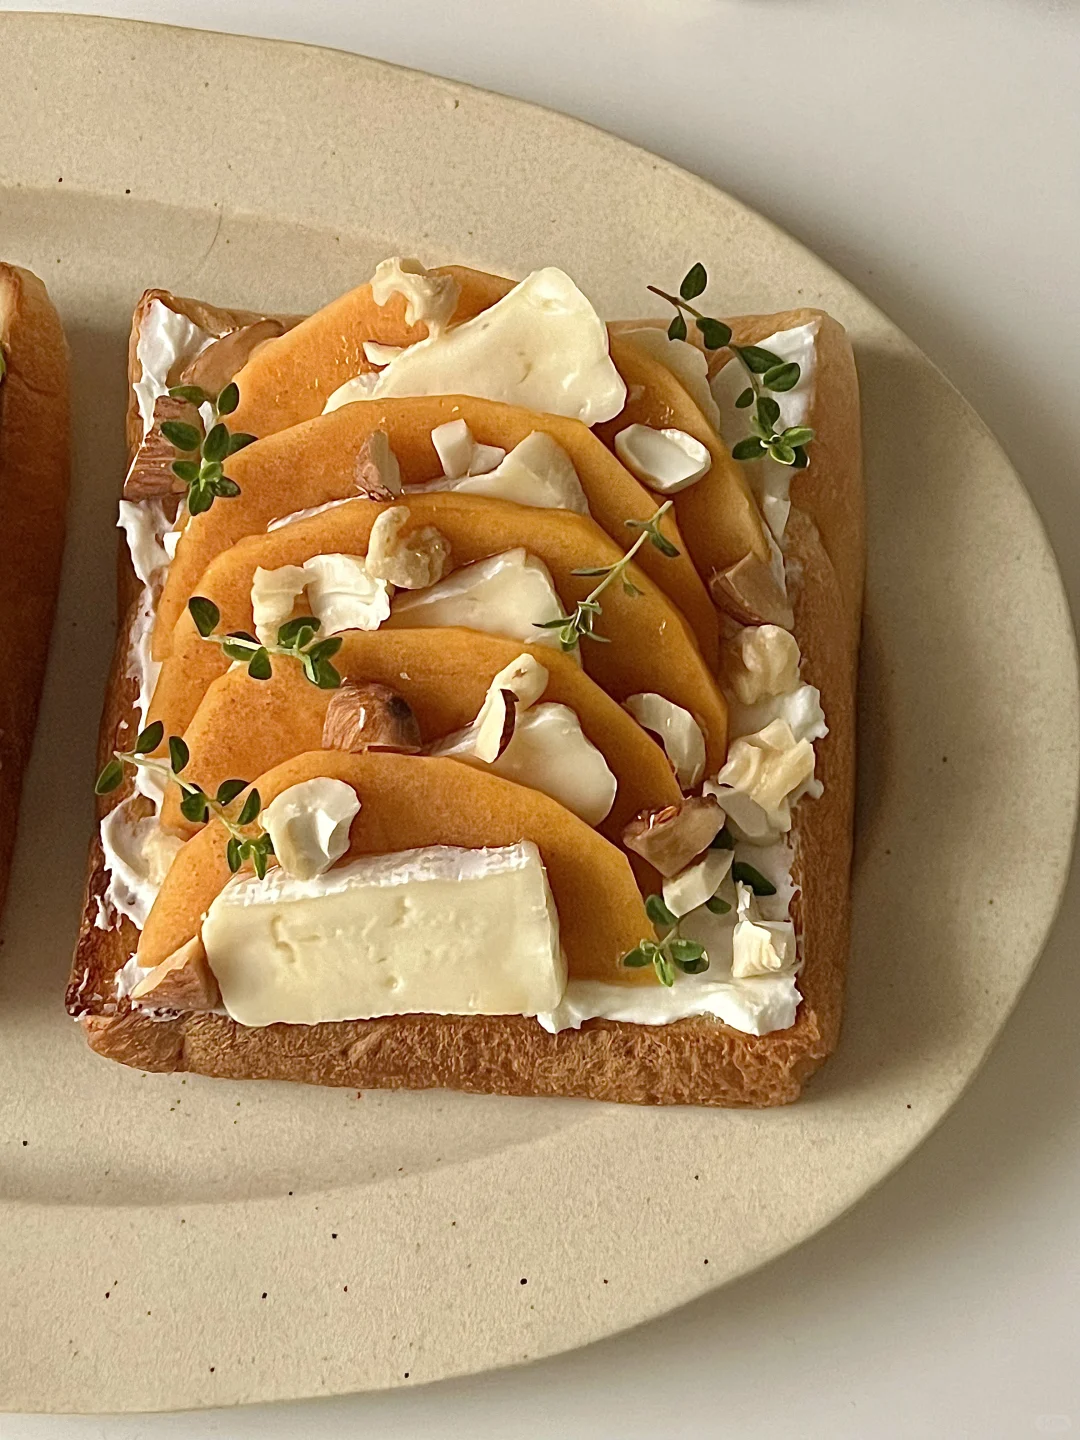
(378, 474)
(370, 717)
(671, 837)
(748, 590)
(184, 981)
(429, 299)
(151, 476)
(412, 562)
(770, 767)
(761, 661)
(495, 727)
(525, 676)
(214, 367)
(698, 882)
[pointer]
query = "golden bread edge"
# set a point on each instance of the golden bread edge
(694, 1061)
(35, 460)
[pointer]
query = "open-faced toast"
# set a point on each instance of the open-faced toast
(688, 703)
(34, 465)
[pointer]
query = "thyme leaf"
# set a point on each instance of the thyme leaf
(579, 624)
(765, 371)
(296, 639)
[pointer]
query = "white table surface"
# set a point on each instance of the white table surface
(930, 149)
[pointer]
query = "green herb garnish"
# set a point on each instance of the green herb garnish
(579, 625)
(195, 804)
(296, 639)
(204, 472)
(672, 952)
(764, 370)
(747, 875)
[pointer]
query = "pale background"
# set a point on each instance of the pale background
(930, 150)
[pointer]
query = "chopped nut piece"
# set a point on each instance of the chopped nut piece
(671, 837)
(761, 661)
(698, 882)
(759, 947)
(378, 474)
(460, 455)
(495, 726)
(184, 981)
(370, 717)
(430, 299)
(769, 767)
(214, 367)
(749, 591)
(412, 562)
(151, 476)
(525, 676)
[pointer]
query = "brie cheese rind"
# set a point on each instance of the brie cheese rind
(440, 930)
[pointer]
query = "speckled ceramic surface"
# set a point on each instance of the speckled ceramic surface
(185, 1242)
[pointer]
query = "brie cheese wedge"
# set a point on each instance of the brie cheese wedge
(439, 930)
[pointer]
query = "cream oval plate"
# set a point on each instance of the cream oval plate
(173, 1242)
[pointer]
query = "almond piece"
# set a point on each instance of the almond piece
(748, 590)
(151, 476)
(183, 981)
(378, 474)
(495, 727)
(369, 717)
(670, 838)
(214, 367)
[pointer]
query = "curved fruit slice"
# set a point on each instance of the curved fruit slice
(718, 513)
(314, 463)
(444, 676)
(408, 801)
(291, 379)
(651, 647)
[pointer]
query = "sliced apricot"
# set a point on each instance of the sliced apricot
(316, 462)
(444, 676)
(650, 645)
(291, 378)
(408, 801)
(718, 514)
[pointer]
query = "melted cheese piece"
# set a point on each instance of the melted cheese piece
(542, 346)
(341, 594)
(440, 930)
(537, 472)
(551, 753)
(509, 594)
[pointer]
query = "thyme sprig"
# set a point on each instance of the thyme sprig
(204, 475)
(579, 624)
(671, 952)
(195, 804)
(764, 370)
(295, 639)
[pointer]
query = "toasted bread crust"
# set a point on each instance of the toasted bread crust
(695, 1061)
(34, 470)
